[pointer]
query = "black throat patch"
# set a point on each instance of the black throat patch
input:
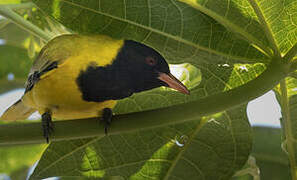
(111, 82)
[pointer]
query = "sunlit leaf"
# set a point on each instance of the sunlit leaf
(281, 19)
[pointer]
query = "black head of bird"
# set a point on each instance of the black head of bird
(148, 69)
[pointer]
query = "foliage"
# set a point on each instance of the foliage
(235, 51)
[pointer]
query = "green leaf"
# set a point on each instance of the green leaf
(177, 30)
(237, 16)
(15, 160)
(278, 19)
(212, 151)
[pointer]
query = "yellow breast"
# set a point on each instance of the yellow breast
(57, 89)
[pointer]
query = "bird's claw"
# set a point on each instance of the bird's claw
(106, 118)
(47, 126)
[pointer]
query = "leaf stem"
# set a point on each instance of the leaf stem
(26, 25)
(288, 128)
(26, 133)
(265, 26)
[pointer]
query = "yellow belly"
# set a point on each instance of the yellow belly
(58, 92)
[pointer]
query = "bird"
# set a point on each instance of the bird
(82, 76)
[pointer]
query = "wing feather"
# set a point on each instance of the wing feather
(53, 54)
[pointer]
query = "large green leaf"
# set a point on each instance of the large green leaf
(279, 19)
(237, 16)
(213, 151)
(177, 30)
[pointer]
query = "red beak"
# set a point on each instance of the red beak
(173, 83)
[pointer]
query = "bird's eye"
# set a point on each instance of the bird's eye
(150, 61)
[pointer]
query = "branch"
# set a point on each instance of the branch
(27, 133)
(288, 127)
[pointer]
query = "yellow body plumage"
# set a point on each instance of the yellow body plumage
(64, 99)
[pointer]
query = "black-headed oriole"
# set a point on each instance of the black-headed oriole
(77, 76)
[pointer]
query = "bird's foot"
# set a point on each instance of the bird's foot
(47, 125)
(106, 118)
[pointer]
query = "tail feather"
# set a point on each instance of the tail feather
(18, 111)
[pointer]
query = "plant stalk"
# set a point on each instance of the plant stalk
(24, 24)
(29, 133)
(288, 128)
